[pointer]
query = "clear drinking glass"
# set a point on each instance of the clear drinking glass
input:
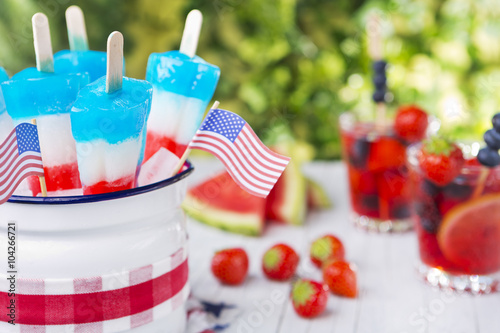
(458, 226)
(378, 177)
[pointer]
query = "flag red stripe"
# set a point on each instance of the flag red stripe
(6, 197)
(8, 158)
(35, 168)
(92, 307)
(250, 180)
(16, 164)
(246, 141)
(252, 164)
(13, 160)
(252, 146)
(230, 168)
(243, 144)
(261, 148)
(8, 141)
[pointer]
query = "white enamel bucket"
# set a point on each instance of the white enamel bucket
(113, 262)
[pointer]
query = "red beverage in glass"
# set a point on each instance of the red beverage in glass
(458, 226)
(378, 176)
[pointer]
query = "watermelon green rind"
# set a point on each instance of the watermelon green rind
(246, 224)
(296, 196)
(316, 196)
(221, 203)
(287, 202)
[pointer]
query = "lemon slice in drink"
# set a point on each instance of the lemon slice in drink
(469, 235)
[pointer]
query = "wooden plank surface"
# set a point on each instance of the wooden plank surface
(392, 298)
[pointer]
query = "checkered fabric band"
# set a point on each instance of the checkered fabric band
(109, 303)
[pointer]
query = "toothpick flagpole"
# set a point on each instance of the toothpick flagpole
(43, 45)
(77, 33)
(41, 179)
(184, 157)
(114, 70)
(191, 34)
(375, 50)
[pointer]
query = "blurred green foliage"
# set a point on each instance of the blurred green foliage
(298, 64)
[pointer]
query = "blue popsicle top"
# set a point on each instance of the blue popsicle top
(3, 77)
(91, 62)
(176, 72)
(112, 117)
(31, 93)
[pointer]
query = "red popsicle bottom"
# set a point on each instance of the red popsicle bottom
(154, 142)
(57, 178)
(124, 183)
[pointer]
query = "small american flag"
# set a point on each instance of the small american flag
(252, 165)
(19, 158)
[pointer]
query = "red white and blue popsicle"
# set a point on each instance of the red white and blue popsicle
(183, 85)
(39, 93)
(79, 59)
(108, 121)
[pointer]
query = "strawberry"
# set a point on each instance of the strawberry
(280, 262)
(386, 153)
(411, 123)
(309, 298)
(326, 248)
(440, 160)
(472, 162)
(230, 266)
(340, 277)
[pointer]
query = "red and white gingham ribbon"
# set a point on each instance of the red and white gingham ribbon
(109, 303)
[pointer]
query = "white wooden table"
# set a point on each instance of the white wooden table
(392, 299)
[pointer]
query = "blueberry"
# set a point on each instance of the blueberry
(430, 188)
(488, 157)
(401, 211)
(379, 80)
(379, 66)
(429, 225)
(358, 153)
(492, 139)
(496, 122)
(429, 215)
(370, 202)
(458, 191)
(379, 96)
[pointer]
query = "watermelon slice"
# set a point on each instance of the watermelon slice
(221, 203)
(287, 201)
(316, 196)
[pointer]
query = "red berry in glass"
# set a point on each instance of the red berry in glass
(376, 164)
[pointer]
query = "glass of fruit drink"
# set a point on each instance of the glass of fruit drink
(457, 216)
(375, 156)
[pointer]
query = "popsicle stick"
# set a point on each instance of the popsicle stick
(41, 179)
(191, 33)
(43, 45)
(375, 50)
(114, 72)
(77, 33)
(374, 33)
(184, 156)
(481, 182)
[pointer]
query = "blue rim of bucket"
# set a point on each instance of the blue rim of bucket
(102, 197)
